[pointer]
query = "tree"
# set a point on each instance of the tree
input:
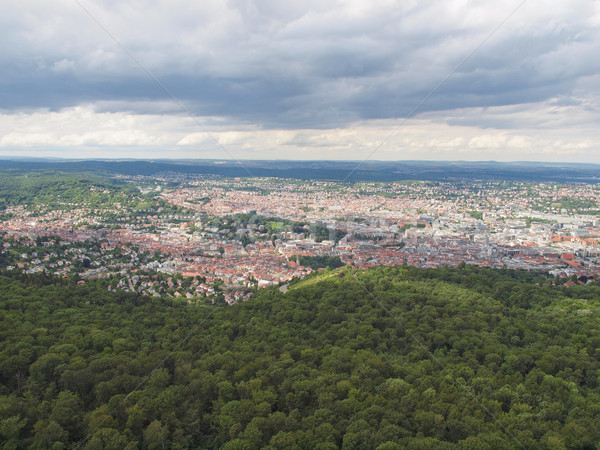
(10, 430)
(155, 435)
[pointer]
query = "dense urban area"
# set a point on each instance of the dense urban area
(196, 236)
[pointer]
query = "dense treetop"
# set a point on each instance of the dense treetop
(386, 358)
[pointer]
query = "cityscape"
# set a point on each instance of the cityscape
(300, 225)
(229, 235)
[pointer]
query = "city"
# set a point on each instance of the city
(300, 225)
(230, 235)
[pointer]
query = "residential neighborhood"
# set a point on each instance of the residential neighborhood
(233, 235)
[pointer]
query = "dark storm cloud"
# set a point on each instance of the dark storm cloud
(319, 64)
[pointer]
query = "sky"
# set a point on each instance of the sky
(442, 80)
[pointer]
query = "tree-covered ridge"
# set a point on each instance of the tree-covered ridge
(58, 189)
(387, 358)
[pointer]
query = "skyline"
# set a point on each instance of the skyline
(305, 81)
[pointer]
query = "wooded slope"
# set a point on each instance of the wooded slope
(387, 358)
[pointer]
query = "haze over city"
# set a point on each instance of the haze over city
(301, 80)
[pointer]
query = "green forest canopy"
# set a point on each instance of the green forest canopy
(51, 188)
(385, 358)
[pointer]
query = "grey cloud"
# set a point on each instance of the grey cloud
(292, 64)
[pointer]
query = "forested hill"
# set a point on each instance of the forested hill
(352, 171)
(57, 189)
(387, 358)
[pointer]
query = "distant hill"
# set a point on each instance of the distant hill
(381, 359)
(330, 170)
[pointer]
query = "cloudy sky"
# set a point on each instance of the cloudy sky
(326, 79)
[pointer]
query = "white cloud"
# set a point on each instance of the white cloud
(487, 141)
(322, 79)
(100, 134)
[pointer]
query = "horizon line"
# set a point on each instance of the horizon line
(228, 160)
